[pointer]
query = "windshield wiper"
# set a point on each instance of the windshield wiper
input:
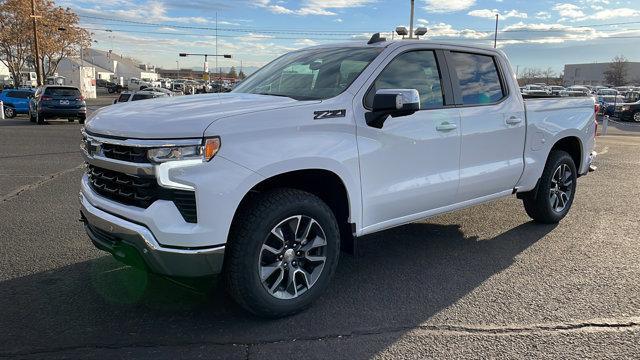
(274, 94)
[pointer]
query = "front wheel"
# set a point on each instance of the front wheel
(9, 112)
(636, 116)
(283, 251)
(554, 196)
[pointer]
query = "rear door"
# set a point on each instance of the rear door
(411, 164)
(492, 125)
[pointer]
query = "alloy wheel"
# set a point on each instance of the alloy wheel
(636, 116)
(292, 257)
(561, 188)
(8, 112)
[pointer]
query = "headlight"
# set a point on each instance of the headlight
(624, 108)
(206, 151)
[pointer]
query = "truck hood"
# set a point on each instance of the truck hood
(178, 116)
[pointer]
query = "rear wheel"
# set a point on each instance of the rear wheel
(81, 120)
(636, 116)
(282, 253)
(32, 117)
(70, 120)
(553, 198)
(40, 119)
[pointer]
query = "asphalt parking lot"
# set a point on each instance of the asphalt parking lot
(484, 282)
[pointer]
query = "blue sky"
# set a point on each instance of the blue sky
(540, 34)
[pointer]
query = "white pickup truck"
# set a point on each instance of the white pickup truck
(319, 147)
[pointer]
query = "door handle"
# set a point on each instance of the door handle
(445, 126)
(514, 120)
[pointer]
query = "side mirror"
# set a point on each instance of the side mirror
(394, 103)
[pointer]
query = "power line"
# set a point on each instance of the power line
(435, 37)
(327, 32)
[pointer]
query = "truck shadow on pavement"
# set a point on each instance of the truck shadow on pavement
(404, 277)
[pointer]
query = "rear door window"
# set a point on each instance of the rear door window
(478, 78)
(123, 97)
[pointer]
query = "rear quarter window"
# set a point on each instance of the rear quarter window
(478, 78)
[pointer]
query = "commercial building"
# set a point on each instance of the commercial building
(593, 74)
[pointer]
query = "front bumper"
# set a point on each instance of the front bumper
(135, 245)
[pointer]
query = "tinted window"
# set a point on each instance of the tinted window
(412, 70)
(62, 92)
(141, 97)
(478, 77)
(123, 97)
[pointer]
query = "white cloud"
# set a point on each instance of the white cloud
(446, 30)
(440, 6)
(490, 14)
(543, 15)
(575, 13)
(305, 42)
(613, 13)
(570, 11)
(313, 7)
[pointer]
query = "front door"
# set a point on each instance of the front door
(411, 164)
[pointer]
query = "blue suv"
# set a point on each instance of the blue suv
(16, 101)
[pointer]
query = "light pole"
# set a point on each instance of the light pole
(205, 74)
(178, 67)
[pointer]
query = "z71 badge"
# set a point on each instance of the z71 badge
(328, 114)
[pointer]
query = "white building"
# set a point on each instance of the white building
(123, 68)
(80, 74)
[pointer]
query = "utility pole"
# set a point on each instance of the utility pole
(35, 43)
(178, 67)
(411, 20)
(495, 36)
(219, 75)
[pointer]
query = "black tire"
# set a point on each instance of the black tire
(40, 119)
(635, 117)
(70, 120)
(9, 112)
(252, 226)
(539, 204)
(32, 117)
(81, 120)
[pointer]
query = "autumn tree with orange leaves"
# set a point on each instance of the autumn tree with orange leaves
(59, 35)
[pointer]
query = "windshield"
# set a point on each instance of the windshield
(313, 74)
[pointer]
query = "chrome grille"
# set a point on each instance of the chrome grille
(125, 153)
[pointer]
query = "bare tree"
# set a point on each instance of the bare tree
(616, 73)
(60, 36)
(15, 39)
(58, 31)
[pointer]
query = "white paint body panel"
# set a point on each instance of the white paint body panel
(404, 172)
